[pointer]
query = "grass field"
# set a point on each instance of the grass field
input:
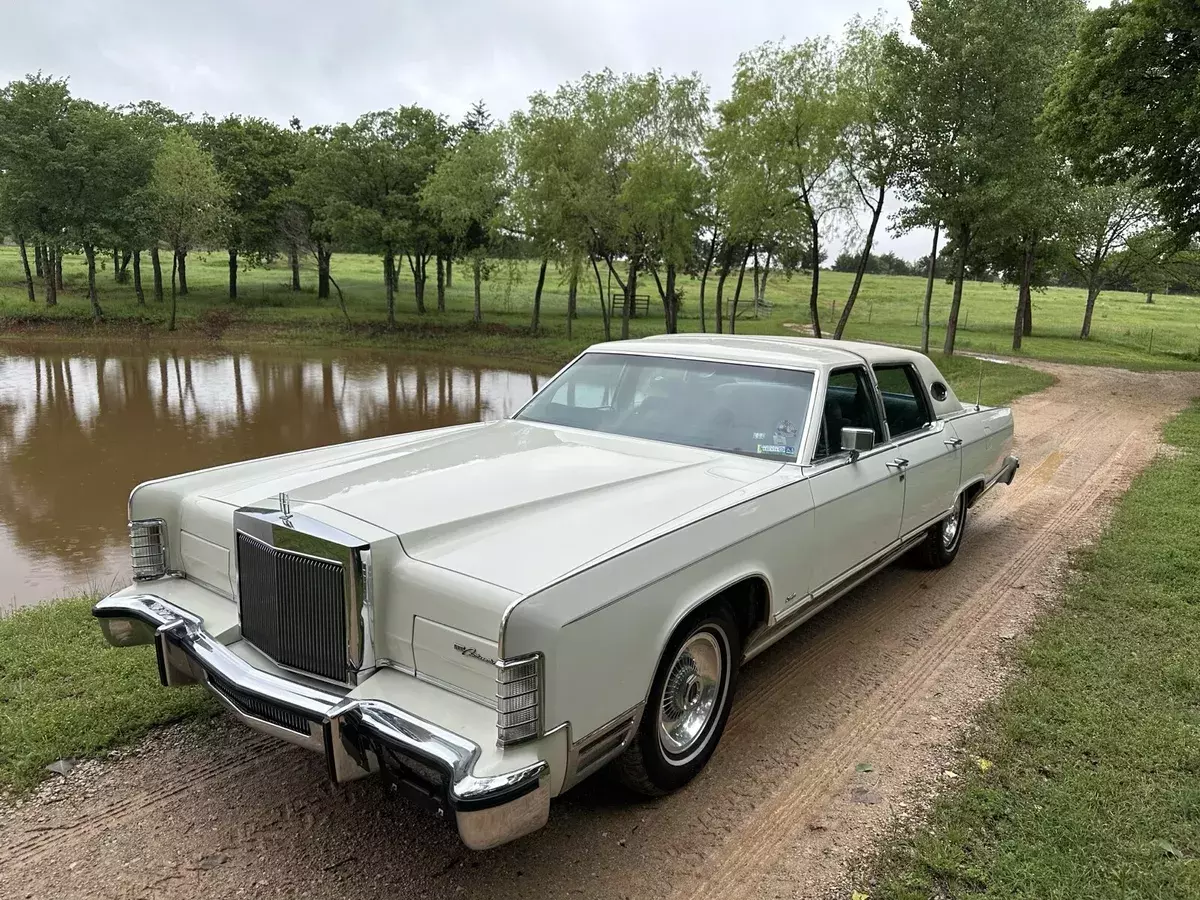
(65, 693)
(1093, 788)
(1127, 331)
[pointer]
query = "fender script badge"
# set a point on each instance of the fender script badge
(474, 654)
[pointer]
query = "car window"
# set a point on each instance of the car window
(750, 410)
(849, 403)
(903, 400)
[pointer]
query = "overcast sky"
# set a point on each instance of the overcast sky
(330, 61)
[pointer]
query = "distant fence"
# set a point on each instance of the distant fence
(638, 305)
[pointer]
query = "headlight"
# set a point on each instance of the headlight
(148, 548)
(518, 699)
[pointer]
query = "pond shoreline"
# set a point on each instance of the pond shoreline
(467, 344)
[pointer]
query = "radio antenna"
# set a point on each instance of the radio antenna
(979, 387)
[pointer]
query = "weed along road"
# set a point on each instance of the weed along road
(838, 729)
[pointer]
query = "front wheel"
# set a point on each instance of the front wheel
(688, 706)
(943, 539)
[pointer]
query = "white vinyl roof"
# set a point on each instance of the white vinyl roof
(800, 352)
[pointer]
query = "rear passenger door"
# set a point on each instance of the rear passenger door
(929, 446)
(858, 502)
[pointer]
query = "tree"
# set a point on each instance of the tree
(34, 133)
(873, 141)
(108, 169)
(380, 163)
(1101, 220)
(970, 82)
(188, 199)
(662, 197)
(465, 194)
(1127, 103)
(304, 205)
(255, 160)
(786, 98)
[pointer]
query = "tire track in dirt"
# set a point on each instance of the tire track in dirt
(755, 847)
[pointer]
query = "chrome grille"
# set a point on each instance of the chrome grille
(293, 608)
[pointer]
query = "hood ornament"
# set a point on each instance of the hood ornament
(285, 508)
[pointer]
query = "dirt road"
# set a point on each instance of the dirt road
(837, 730)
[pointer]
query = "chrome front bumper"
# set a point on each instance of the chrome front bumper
(357, 736)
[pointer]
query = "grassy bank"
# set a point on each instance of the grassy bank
(65, 693)
(1127, 331)
(1094, 783)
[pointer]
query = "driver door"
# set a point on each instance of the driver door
(858, 503)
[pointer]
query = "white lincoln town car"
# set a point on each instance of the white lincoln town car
(487, 614)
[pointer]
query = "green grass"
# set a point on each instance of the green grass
(1127, 332)
(65, 693)
(1094, 789)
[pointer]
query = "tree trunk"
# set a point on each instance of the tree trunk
(417, 267)
(441, 283)
(737, 294)
(137, 278)
(1023, 295)
(572, 296)
(630, 293)
(449, 272)
(295, 261)
(174, 270)
(123, 272)
(929, 291)
(712, 252)
(862, 268)
(960, 271)
(323, 272)
(1092, 294)
(39, 259)
(156, 265)
(116, 255)
(813, 311)
(233, 273)
(604, 310)
(1149, 296)
(537, 295)
(1027, 317)
(51, 281)
(477, 272)
(672, 301)
(389, 276)
(58, 276)
(726, 265)
(28, 274)
(182, 257)
(90, 252)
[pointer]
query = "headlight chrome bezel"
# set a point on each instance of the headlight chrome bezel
(520, 694)
(148, 549)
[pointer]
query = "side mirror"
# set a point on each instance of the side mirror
(857, 440)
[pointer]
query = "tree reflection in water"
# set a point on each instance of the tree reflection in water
(81, 425)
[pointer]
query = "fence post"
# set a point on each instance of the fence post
(1151, 350)
(870, 309)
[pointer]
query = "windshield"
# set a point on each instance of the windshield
(752, 410)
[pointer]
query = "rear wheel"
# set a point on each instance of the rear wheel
(943, 539)
(688, 706)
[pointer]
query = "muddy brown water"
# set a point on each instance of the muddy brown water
(82, 424)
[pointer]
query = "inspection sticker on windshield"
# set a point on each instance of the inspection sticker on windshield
(777, 449)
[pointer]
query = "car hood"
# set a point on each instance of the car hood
(512, 503)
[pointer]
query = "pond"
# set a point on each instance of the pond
(82, 424)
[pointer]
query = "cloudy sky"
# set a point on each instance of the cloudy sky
(329, 61)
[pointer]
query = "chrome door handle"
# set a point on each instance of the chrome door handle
(898, 463)
(954, 444)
